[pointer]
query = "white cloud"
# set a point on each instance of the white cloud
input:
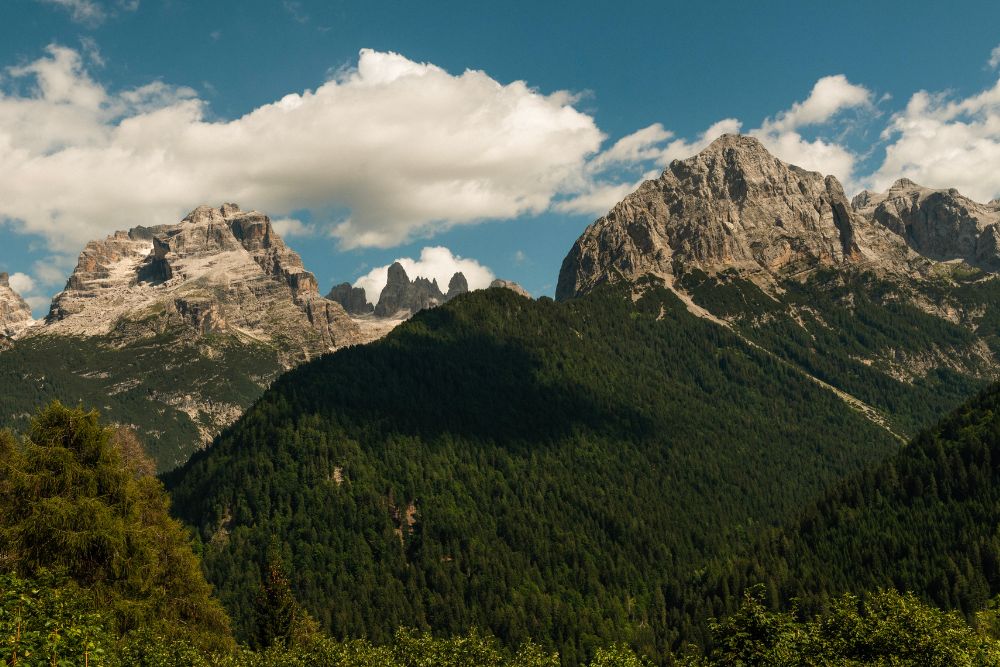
(830, 96)
(22, 283)
(288, 227)
(941, 142)
(406, 147)
(995, 57)
(435, 263)
(603, 186)
(596, 194)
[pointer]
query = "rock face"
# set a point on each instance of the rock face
(401, 296)
(734, 205)
(15, 314)
(511, 285)
(218, 270)
(939, 224)
(457, 285)
(353, 299)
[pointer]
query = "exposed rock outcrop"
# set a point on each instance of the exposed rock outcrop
(401, 296)
(218, 270)
(511, 285)
(734, 205)
(15, 314)
(939, 224)
(457, 285)
(353, 299)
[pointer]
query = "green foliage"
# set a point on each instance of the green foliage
(275, 608)
(546, 471)
(883, 629)
(43, 623)
(925, 520)
(863, 335)
(142, 382)
(70, 503)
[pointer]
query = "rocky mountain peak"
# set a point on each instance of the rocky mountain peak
(218, 269)
(15, 314)
(941, 224)
(457, 285)
(732, 206)
(402, 297)
(397, 275)
(353, 299)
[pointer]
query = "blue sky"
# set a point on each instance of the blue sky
(115, 113)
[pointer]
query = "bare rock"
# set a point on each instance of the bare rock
(732, 206)
(457, 285)
(217, 270)
(400, 296)
(15, 314)
(939, 224)
(511, 285)
(353, 299)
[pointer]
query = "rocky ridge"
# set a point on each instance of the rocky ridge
(940, 224)
(732, 206)
(220, 270)
(511, 285)
(15, 314)
(401, 297)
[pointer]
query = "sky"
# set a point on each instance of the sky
(481, 137)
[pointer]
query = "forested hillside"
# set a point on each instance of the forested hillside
(541, 470)
(926, 520)
(171, 391)
(867, 336)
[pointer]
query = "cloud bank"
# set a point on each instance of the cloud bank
(406, 148)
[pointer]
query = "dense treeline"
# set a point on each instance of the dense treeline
(94, 572)
(548, 472)
(926, 520)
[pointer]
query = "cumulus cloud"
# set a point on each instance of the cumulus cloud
(650, 146)
(407, 148)
(22, 283)
(942, 142)
(830, 96)
(995, 57)
(603, 185)
(435, 263)
(289, 227)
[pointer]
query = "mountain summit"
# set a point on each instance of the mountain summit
(940, 224)
(734, 205)
(218, 270)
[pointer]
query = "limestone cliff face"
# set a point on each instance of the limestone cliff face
(15, 314)
(403, 297)
(218, 270)
(457, 285)
(939, 224)
(353, 299)
(734, 205)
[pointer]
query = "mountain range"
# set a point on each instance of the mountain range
(727, 344)
(175, 329)
(741, 380)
